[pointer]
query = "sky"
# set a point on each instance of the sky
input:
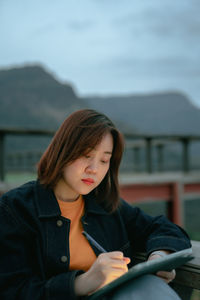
(107, 47)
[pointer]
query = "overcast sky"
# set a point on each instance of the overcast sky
(107, 46)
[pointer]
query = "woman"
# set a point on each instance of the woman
(44, 254)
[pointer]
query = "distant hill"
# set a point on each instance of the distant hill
(31, 97)
(162, 113)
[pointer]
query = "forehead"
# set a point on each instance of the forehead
(106, 144)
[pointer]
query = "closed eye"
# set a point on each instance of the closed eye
(105, 161)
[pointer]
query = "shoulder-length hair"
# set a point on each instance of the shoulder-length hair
(78, 134)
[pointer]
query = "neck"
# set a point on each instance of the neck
(63, 193)
(60, 198)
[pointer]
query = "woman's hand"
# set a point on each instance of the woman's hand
(106, 268)
(166, 276)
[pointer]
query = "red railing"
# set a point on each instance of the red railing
(158, 188)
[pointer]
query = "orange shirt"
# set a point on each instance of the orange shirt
(82, 255)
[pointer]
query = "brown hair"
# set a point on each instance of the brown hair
(80, 132)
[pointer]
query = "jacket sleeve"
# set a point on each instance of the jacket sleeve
(20, 276)
(147, 233)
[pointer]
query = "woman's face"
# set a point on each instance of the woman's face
(86, 172)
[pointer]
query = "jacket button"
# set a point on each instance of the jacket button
(59, 223)
(63, 259)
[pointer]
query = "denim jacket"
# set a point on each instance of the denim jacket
(34, 240)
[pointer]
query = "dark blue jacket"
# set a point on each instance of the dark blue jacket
(34, 248)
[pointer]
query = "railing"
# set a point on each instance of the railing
(138, 141)
(19, 161)
(18, 132)
(171, 188)
(135, 142)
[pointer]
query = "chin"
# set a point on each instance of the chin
(86, 192)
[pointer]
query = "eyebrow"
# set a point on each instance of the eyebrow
(105, 152)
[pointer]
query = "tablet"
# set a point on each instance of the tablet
(165, 263)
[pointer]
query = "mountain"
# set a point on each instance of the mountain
(161, 113)
(30, 97)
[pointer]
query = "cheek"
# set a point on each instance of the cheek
(66, 173)
(72, 171)
(104, 172)
(69, 171)
(78, 167)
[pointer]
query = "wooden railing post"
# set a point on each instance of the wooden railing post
(2, 161)
(175, 206)
(136, 158)
(149, 154)
(185, 158)
(160, 151)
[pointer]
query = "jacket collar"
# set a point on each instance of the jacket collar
(47, 204)
(91, 205)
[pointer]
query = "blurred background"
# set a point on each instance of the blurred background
(137, 61)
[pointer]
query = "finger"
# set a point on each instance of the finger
(119, 255)
(167, 276)
(122, 262)
(170, 275)
(154, 256)
(118, 264)
(110, 260)
(115, 254)
(127, 260)
(167, 280)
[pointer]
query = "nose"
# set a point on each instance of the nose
(92, 168)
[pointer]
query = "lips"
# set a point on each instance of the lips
(88, 181)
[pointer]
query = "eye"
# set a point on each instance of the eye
(105, 161)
